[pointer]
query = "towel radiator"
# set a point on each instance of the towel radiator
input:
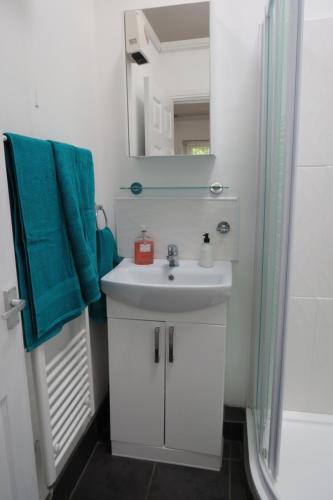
(64, 393)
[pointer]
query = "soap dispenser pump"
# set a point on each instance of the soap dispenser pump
(206, 252)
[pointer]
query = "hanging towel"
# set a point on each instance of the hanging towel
(47, 274)
(75, 175)
(107, 259)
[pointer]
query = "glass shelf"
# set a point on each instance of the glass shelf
(137, 188)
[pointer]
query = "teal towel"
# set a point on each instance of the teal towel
(75, 175)
(107, 259)
(47, 273)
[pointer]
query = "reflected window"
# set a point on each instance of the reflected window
(196, 147)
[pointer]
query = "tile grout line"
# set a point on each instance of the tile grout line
(150, 482)
(83, 470)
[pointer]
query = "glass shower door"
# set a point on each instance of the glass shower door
(278, 124)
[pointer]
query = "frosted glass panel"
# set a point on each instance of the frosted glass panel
(277, 137)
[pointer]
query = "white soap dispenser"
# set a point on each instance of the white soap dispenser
(206, 258)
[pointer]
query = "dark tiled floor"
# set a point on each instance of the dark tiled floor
(177, 483)
(234, 414)
(115, 478)
(76, 464)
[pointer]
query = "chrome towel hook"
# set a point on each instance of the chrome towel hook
(100, 208)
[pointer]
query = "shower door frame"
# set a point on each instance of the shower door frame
(293, 72)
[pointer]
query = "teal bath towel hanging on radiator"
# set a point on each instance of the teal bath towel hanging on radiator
(75, 174)
(52, 202)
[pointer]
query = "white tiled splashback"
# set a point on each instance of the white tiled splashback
(179, 221)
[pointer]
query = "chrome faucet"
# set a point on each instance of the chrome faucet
(172, 256)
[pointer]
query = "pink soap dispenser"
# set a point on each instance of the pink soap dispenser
(143, 249)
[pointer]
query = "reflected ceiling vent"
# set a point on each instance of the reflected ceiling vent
(136, 36)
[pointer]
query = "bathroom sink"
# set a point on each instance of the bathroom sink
(159, 287)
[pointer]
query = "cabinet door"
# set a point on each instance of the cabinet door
(194, 387)
(137, 381)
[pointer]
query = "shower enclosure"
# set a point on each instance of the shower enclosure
(280, 41)
(290, 424)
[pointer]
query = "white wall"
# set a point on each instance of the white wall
(49, 54)
(234, 112)
(309, 368)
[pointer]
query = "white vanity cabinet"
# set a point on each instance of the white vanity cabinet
(194, 382)
(136, 382)
(166, 390)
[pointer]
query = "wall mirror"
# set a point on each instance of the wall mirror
(168, 80)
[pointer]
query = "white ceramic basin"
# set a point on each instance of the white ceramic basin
(158, 287)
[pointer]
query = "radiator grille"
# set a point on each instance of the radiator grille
(68, 390)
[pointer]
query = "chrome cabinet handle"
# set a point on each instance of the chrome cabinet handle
(171, 332)
(157, 345)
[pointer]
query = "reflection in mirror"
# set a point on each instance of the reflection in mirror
(168, 84)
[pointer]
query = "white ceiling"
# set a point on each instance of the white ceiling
(180, 22)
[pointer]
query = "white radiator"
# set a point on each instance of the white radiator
(64, 393)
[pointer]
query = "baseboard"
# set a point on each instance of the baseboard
(167, 455)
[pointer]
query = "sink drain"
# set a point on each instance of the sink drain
(171, 277)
